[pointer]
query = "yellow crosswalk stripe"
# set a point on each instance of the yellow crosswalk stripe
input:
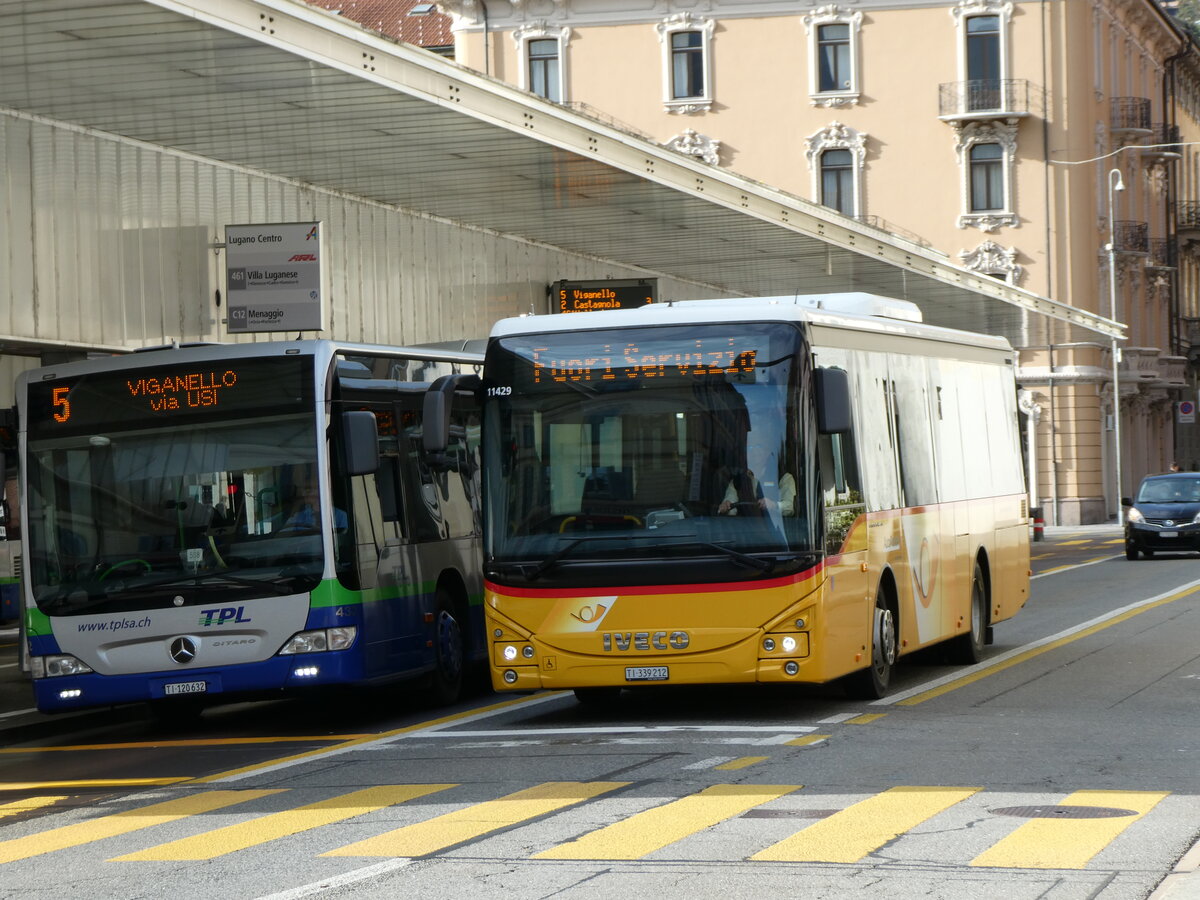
(1067, 843)
(474, 821)
(28, 804)
(654, 829)
(851, 834)
(742, 762)
(221, 841)
(123, 823)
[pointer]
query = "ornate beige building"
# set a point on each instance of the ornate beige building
(1018, 138)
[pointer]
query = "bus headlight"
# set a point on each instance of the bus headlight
(57, 665)
(320, 640)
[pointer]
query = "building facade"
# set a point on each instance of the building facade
(1020, 139)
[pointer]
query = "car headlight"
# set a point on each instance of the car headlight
(320, 640)
(57, 666)
(1134, 515)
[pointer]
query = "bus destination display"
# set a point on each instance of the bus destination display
(139, 397)
(697, 358)
(589, 296)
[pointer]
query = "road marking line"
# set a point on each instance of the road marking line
(260, 830)
(477, 820)
(618, 729)
(197, 742)
(383, 738)
(742, 763)
(655, 828)
(1018, 655)
(865, 718)
(123, 823)
(1059, 569)
(851, 834)
(808, 740)
(710, 763)
(88, 783)
(18, 712)
(337, 881)
(16, 807)
(1068, 843)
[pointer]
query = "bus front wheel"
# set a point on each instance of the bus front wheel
(872, 682)
(448, 650)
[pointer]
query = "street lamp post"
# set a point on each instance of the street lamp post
(1115, 184)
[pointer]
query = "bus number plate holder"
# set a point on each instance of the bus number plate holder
(647, 673)
(186, 687)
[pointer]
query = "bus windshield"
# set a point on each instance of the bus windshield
(669, 444)
(212, 498)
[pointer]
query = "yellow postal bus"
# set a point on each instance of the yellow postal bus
(783, 490)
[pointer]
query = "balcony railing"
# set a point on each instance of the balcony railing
(1131, 237)
(1187, 215)
(1130, 115)
(984, 98)
(884, 225)
(1164, 140)
(1162, 254)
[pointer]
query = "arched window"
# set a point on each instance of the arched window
(687, 62)
(987, 178)
(541, 49)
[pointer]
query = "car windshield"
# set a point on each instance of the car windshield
(667, 442)
(1170, 490)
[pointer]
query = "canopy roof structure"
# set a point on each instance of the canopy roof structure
(300, 93)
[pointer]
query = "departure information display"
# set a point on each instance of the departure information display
(149, 395)
(590, 296)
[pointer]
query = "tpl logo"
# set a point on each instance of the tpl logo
(221, 616)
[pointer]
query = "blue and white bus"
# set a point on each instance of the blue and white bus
(217, 522)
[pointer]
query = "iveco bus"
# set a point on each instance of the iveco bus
(773, 490)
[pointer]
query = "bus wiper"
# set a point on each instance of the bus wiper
(213, 577)
(552, 560)
(762, 565)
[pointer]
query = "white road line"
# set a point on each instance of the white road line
(1033, 645)
(1092, 562)
(17, 712)
(351, 877)
(709, 763)
(385, 739)
(625, 729)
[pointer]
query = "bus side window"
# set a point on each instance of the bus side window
(387, 483)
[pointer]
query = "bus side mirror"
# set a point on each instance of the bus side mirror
(832, 394)
(435, 413)
(361, 438)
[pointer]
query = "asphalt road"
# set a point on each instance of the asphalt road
(1066, 765)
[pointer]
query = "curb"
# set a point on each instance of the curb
(1183, 883)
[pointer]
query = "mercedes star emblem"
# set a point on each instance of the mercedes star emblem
(183, 650)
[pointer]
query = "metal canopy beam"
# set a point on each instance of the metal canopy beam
(300, 93)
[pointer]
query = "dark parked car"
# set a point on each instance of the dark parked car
(1164, 516)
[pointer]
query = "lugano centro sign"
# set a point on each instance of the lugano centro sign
(273, 277)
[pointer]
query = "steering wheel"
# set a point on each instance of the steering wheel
(122, 564)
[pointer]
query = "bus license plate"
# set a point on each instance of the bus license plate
(186, 687)
(646, 673)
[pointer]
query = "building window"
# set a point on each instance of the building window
(833, 51)
(833, 58)
(986, 150)
(836, 155)
(687, 62)
(983, 27)
(687, 65)
(987, 177)
(542, 51)
(543, 69)
(837, 181)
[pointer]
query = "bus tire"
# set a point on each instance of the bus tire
(448, 651)
(872, 682)
(598, 697)
(967, 649)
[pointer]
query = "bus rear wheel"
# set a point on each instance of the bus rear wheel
(872, 682)
(967, 649)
